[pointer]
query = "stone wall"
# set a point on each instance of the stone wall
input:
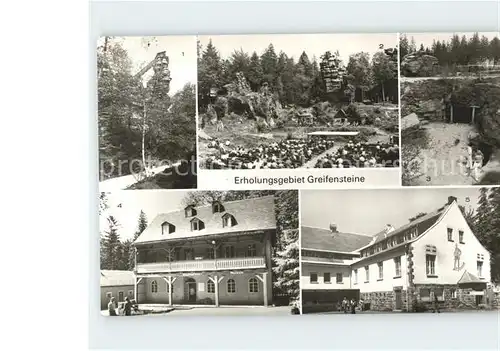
(383, 300)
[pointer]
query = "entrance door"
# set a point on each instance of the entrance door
(399, 302)
(190, 290)
(462, 114)
(479, 299)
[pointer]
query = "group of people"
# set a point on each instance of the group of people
(288, 153)
(360, 155)
(125, 310)
(349, 306)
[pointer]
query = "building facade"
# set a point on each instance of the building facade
(434, 255)
(218, 254)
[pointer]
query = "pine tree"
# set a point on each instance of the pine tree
(286, 269)
(404, 46)
(359, 72)
(111, 246)
(383, 70)
(254, 72)
(269, 63)
(494, 233)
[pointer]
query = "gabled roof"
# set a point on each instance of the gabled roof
(423, 223)
(251, 215)
(116, 278)
(324, 239)
(469, 278)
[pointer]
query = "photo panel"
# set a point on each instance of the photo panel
(147, 112)
(199, 253)
(450, 108)
(400, 250)
(311, 110)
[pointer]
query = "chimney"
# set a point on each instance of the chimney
(451, 199)
(333, 228)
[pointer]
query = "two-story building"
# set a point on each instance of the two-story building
(436, 254)
(218, 254)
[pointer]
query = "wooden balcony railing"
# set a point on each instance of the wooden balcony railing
(202, 265)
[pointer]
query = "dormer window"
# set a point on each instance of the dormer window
(190, 211)
(228, 220)
(167, 228)
(217, 207)
(196, 224)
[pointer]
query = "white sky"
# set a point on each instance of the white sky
(295, 44)
(369, 211)
(428, 38)
(181, 51)
(152, 202)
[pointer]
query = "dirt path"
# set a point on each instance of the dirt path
(121, 183)
(441, 161)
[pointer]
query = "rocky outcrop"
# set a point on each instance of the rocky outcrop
(419, 65)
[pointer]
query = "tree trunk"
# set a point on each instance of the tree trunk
(362, 95)
(383, 94)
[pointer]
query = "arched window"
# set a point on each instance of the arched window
(210, 287)
(231, 286)
(154, 286)
(253, 285)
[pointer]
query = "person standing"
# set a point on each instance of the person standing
(111, 307)
(353, 306)
(127, 308)
(345, 304)
(436, 304)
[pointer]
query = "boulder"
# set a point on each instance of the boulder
(419, 65)
(409, 121)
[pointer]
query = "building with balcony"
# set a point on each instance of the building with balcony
(218, 254)
(434, 255)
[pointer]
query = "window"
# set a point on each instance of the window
(120, 296)
(461, 236)
(430, 264)
(217, 207)
(355, 276)
(231, 286)
(439, 293)
(380, 270)
(313, 277)
(450, 234)
(425, 294)
(397, 265)
(154, 286)
(253, 285)
(188, 254)
(480, 269)
(190, 211)
(167, 228)
(210, 253)
(326, 277)
(453, 293)
(229, 251)
(340, 278)
(167, 290)
(251, 250)
(228, 220)
(196, 224)
(210, 287)
(367, 274)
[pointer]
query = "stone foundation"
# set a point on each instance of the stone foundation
(384, 300)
